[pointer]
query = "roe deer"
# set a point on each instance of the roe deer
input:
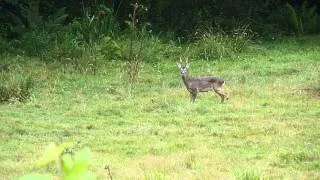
(201, 84)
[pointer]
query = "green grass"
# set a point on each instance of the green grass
(269, 129)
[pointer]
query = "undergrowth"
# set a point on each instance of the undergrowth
(15, 89)
(216, 44)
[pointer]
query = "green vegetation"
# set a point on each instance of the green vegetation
(268, 129)
(303, 19)
(70, 164)
(103, 76)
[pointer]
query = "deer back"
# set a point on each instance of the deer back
(205, 83)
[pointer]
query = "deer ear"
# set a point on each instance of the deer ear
(187, 63)
(179, 65)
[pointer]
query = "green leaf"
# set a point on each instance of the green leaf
(37, 177)
(311, 12)
(106, 39)
(67, 164)
(294, 18)
(86, 175)
(52, 153)
(79, 168)
(82, 160)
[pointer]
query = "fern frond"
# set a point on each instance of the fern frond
(311, 12)
(294, 18)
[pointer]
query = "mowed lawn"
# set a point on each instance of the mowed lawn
(269, 129)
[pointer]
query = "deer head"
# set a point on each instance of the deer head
(183, 66)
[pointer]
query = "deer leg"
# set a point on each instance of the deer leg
(193, 96)
(222, 94)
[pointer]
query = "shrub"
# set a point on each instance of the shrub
(218, 44)
(35, 43)
(109, 48)
(6, 47)
(156, 49)
(96, 23)
(65, 46)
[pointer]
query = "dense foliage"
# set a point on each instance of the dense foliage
(181, 17)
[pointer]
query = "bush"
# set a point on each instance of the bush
(52, 40)
(35, 43)
(109, 48)
(65, 46)
(6, 47)
(97, 22)
(218, 44)
(156, 49)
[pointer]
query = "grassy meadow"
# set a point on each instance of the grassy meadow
(268, 129)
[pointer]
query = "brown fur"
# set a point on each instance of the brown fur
(201, 84)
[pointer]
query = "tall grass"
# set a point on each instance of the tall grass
(218, 44)
(13, 90)
(14, 87)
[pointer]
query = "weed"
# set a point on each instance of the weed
(155, 176)
(133, 53)
(191, 161)
(249, 175)
(15, 90)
